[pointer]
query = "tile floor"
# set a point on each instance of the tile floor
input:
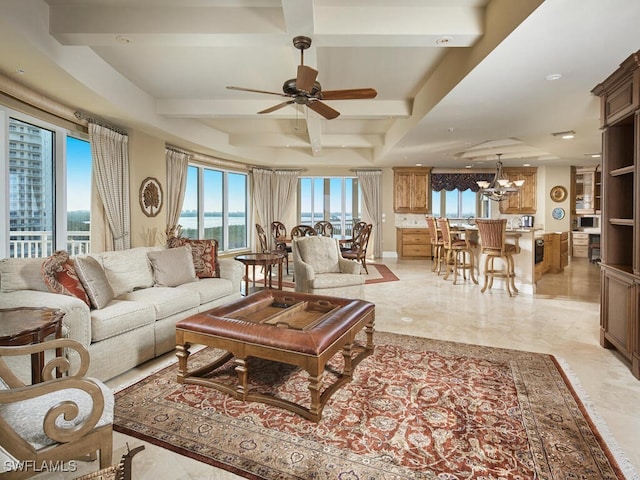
(561, 318)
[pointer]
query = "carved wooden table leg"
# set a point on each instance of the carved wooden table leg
(241, 369)
(348, 364)
(315, 387)
(182, 352)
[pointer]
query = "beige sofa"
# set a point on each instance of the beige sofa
(134, 326)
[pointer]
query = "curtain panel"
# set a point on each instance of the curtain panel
(177, 165)
(110, 157)
(371, 188)
(458, 181)
(262, 188)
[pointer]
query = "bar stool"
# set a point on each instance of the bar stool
(458, 254)
(493, 244)
(437, 245)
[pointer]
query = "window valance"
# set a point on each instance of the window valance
(458, 181)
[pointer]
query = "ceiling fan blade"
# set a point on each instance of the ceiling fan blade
(277, 107)
(257, 91)
(323, 109)
(353, 94)
(306, 78)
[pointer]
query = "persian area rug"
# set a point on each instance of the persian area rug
(378, 273)
(415, 409)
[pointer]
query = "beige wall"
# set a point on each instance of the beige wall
(146, 159)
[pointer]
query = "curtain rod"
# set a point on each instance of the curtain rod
(211, 160)
(83, 116)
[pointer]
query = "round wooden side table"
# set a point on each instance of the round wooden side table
(26, 326)
(266, 260)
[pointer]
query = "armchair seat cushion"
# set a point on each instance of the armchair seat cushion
(25, 417)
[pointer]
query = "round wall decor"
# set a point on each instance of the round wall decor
(151, 197)
(558, 193)
(558, 213)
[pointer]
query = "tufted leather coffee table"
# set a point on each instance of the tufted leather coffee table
(299, 329)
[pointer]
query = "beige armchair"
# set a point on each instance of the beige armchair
(319, 268)
(58, 420)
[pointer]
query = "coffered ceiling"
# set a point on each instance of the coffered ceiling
(458, 81)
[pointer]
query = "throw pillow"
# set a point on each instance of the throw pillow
(172, 267)
(94, 281)
(205, 255)
(60, 276)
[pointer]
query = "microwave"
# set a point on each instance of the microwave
(590, 222)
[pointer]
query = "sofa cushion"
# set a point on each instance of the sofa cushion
(322, 253)
(119, 317)
(209, 289)
(60, 276)
(335, 280)
(21, 274)
(127, 270)
(166, 301)
(94, 281)
(172, 267)
(205, 255)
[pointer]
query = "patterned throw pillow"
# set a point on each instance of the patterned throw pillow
(205, 255)
(60, 276)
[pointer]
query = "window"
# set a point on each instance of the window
(336, 199)
(459, 204)
(215, 207)
(41, 195)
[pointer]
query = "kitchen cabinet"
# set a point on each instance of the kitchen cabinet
(620, 227)
(579, 244)
(559, 251)
(586, 192)
(525, 200)
(413, 243)
(411, 191)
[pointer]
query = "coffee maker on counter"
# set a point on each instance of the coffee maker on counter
(526, 221)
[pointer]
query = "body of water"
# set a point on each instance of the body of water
(192, 222)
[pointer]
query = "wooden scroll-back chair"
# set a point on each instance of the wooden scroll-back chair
(358, 250)
(57, 420)
(437, 245)
(357, 229)
(324, 228)
(280, 248)
(457, 253)
(493, 234)
(302, 231)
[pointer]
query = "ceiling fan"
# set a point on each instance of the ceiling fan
(305, 90)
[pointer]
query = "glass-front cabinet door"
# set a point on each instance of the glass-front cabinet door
(586, 190)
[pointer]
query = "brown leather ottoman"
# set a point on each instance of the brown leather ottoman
(295, 328)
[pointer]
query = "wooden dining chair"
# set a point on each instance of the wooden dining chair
(458, 253)
(302, 231)
(280, 248)
(358, 250)
(324, 228)
(437, 244)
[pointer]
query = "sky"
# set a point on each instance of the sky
(78, 174)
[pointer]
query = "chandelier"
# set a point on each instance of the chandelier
(500, 187)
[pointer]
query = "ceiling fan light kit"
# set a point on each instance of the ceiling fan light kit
(306, 90)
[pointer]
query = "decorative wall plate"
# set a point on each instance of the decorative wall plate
(151, 197)
(558, 213)
(558, 193)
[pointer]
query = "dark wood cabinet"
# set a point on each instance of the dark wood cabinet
(525, 200)
(620, 230)
(411, 191)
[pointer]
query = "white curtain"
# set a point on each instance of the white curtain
(110, 156)
(371, 188)
(286, 185)
(177, 164)
(262, 193)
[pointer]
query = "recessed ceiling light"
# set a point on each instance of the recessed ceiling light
(122, 39)
(526, 164)
(444, 40)
(554, 76)
(20, 71)
(418, 164)
(467, 166)
(593, 155)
